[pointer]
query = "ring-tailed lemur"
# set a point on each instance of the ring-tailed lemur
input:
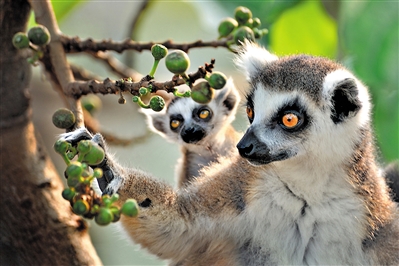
(305, 190)
(203, 131)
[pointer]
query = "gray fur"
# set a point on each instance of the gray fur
(325, 203)
(215, 136)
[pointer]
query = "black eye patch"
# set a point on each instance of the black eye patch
(293, 108)
(202, 114)
(176, 118)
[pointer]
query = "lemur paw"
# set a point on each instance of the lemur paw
(112, 186)
(77, 135)
(110, 182)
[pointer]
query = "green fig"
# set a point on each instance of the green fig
(130, 208)
(61, 146)
(106, 199)
(91, 103)
(177, 62)
(63, 118)
(97, 172)
(144, 91)
(81, 207)
(68, 193)
(242, 33)
(116, 212)
(242, 14)
(84, 146)
(256, 23)
(39, 35)
(74, 181)
(74, 169)
(159, 51)
(202, 92)
(104, 216)
(20, 40)
(95, 156)
(226, 26)
(217, 80)
(157, 103)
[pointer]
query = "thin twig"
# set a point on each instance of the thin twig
(80, 73)
(117, 66)
(75, 45)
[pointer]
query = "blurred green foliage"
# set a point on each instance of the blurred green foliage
(370, 39)
(363, 35)
(307, 28)
(61, 9)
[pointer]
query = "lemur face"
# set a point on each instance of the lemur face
(189, 123)
(299, 106)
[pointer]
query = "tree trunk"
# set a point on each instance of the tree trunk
(37, 226)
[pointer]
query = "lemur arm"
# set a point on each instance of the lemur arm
(170, 223)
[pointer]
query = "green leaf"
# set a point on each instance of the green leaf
(61, 10)
(372, 45)
(305, 28)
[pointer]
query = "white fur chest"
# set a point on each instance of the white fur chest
(287, 229)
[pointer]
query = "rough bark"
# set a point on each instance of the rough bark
(37, 226)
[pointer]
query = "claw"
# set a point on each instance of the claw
(99, 140)
(113, 186)
(75, 136)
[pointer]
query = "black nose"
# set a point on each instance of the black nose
(192, 135)
(246, 146)
(244, 149)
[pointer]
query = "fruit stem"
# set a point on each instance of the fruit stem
(154, 68)
(88, 180)
(140, 102)
(33, 48)
(178, 94)
(66, 159)
(82, 156)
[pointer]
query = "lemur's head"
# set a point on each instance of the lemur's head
(189, 123)
(300, 106)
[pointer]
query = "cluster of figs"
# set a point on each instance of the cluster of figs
(178, 62)
(82, 158)
(35, 39)
(242, 27)
(84, 201)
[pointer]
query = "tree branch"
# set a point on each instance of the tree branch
(75, 45)
(37, 226)
(78, 88)
(44, 15)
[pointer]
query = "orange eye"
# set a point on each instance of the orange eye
(174, 123)
(203, 114)
(290, 120)
(250, 113)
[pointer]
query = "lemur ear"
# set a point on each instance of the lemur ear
(252, 58)
(158, 123)
(155, 120)
(228, 96)
(345, 100)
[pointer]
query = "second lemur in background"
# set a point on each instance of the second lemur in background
(203, 131)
